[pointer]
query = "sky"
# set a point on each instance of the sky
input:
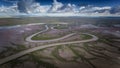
(77, 2)
(56, 8)
(86, 2)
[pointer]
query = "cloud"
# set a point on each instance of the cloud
(57, 9)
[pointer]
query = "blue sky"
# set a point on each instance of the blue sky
(77, 2)
(86, 2)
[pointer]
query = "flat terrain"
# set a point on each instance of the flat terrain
(71, 42)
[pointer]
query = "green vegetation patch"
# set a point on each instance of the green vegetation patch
(55, 53)
(42, 37)
(48, 36)
(40, 62)
(83, 58)
(10, 50)
(85, 36)
(61, 27)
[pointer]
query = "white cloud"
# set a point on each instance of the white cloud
(102, 8)
(58, 9)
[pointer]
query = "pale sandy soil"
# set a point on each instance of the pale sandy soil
(66, 53)
(47, 52)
